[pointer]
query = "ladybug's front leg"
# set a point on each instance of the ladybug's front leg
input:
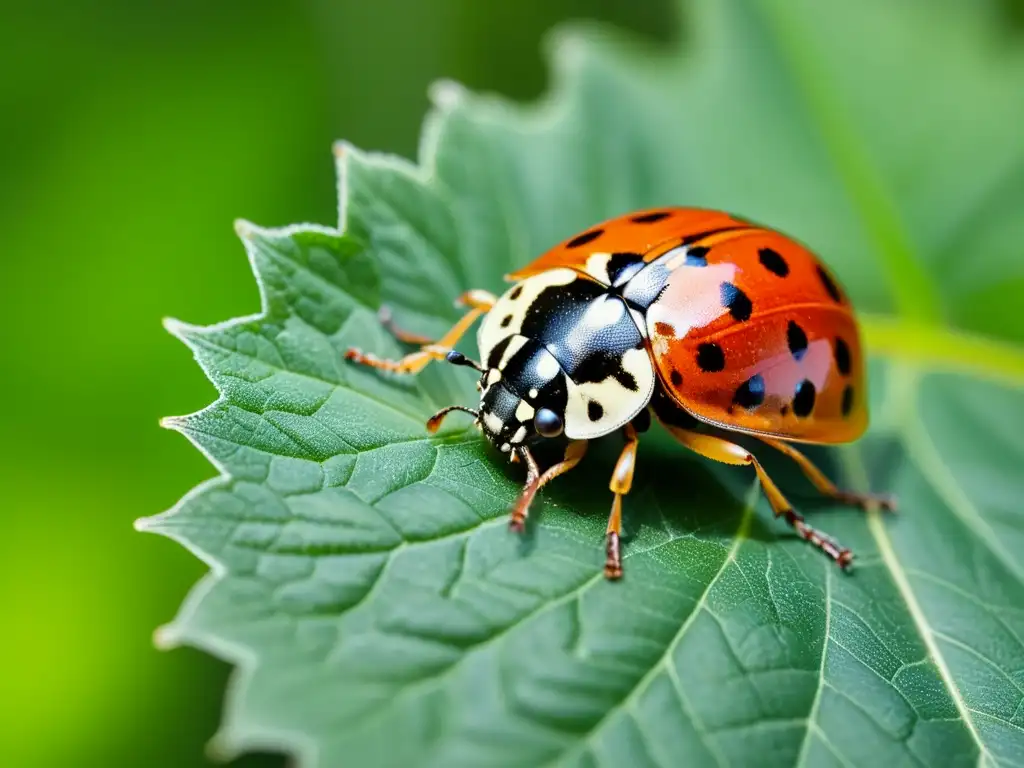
(480, 302)
(535, 480)
(721, 450)
(622, 481)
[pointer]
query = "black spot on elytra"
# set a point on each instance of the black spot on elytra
(830, 284)
(803, 402)
(622, 266)
(737, 302)
(696, 256)
(750, 393)
(595, 410)
(506, 320)
(650, 218)
(676, 378)
(842, 357)
(797, 340)
(516, 292)
(710, 357)
(773, 262)
(586, 237)
(847, 400)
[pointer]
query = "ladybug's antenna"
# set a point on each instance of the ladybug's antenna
(434, 422)
(457, 358)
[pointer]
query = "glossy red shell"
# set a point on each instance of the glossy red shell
(751, 333)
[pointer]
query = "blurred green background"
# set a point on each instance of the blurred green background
(133, 134)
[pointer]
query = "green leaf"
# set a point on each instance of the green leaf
(362, 576)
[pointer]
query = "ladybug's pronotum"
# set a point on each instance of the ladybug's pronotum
(711, 323)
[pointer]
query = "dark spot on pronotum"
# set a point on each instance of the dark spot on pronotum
(664, 329)
(497, 351)
(506, 320)
(773, 262)
(750, 393)
(847, 400)
(710, 357)
(696, 256)
(516, 292)
(803, 402)
(676, 378)
(784, 410)
(586, 237)
(842, 357)
(830, 284)
(797, 340)
(737, 302)
(650, 218)
(595, 410)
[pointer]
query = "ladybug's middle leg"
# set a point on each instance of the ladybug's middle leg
(716, 448)
(621, 482)
(826, 486)
(480, 302)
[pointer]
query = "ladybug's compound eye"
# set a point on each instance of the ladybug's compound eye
(547, 423)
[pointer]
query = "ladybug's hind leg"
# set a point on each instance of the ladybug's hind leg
(722, 450)
(480, 302)
(826, 486)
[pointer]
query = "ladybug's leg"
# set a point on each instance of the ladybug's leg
(479, 302)
(718, 449)
(406, 337)
(535, 480)
(826, 486)
(621, 482)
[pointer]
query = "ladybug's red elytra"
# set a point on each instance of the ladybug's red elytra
(710, 322)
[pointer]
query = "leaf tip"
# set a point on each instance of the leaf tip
(220, 749)
(245, 229)
(166, 637)
(143, 524)
(172, 422)
(447, 94)
(177, 328)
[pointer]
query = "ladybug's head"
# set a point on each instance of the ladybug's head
(516, 408)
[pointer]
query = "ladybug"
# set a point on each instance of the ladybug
(710, 322)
